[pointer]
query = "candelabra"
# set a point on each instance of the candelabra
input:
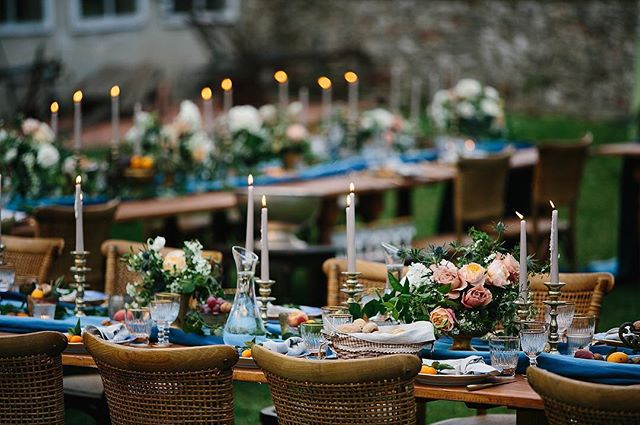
(265, 296)
(523, 310)
(554, 302)
(351, 287)
(79, 271)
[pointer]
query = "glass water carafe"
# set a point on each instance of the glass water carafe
(244, 323)
(394, 262)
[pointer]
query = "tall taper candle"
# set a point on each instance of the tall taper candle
(553, 248)
(416, 93)
(227, 88)
(249, 236)
(54, 119)
(78, 215)
(303, 97)
(77, 120)
(115, 115)
(283, 93)
(351, 238)
(207, 109)
(352, 79)
(325, 85)
(352, 212)
(394, 90)
(264, 240)
(524, 284)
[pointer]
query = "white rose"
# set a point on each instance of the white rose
(30, 126)
(47, 156)
(294, 110)
(415, 275)
(142, 119)
(465, 109)
(11, 155)
(175, 261)
(468, 88)
(157, 244)
(268, 113)
(44, 134)
(491, 93)
(441, 97)
(3, 134)
(188, 119)
(378, 118)
(69, 165)
(244, 117)
(200, 146)
(490, 107)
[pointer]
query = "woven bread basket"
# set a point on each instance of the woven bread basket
(347, 346)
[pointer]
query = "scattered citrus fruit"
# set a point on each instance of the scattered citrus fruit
(428, 370)
(136, 161)
(310, 321)
(618, 357)
(21, 314)
(146, 162)
(246, 353)
(37, 294)
(75, 338)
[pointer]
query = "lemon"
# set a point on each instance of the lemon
(37, 294)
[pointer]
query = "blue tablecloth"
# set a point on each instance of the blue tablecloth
(581, 369)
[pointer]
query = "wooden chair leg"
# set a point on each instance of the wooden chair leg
(421, 412)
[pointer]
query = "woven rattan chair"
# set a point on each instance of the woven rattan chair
(567, 401)
(374, 276)
(59, 221)
(363, 391)
(31, 379)
(166, 385)
(586, 290)
(32, 257)
(116, 273)
(479, 192)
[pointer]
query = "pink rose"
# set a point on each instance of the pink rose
(478, 296)
(513, 267)
(472, 273)
(30, 126)
(497, 273)
(446, 273)
(443, 318)
(297, 133)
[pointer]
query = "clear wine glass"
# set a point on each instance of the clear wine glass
(533, 338)
(580, 333)
(164, 311)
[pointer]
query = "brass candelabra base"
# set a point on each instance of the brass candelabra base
(79, 271)
(555, 289)
(264, 289)
(351, 287)
(523, 310)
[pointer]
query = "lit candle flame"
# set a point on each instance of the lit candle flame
(348, 201)
(226, 84)
(281, 76)
(206, 93)
(351, 77)
(77, 96)
(552, 204)
(54, 107)
(250, 180)
(115, 91)
(264, 201)
(324, 83)
(78, 180)
(352, 187)
(520, 216)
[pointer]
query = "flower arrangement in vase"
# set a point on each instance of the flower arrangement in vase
(383, 128)
(186, 272)
(464, 290)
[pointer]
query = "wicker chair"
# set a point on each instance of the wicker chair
(586, 290)
(59, 221)
(32, 257)
(31, 379)
(166, 385)
(363, 391)
(479, 197)
(567, 401)
(374, 276)
(116, 273)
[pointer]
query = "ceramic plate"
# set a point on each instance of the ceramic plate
(451, 380)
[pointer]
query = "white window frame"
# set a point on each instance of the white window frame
(109, 23)
(31, 29)
(228, 15)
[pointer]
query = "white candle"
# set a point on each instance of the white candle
(227, 88)
(352, 79)
(351, 237)
(553, 248)
(115, 115)
(394, 90)
(207, 109)
(524, 284)
(77, 120)
(78, 215)
(137, 109)
(264, 241)
(283, 92)
(303, 97)
(249, 236)
(325, 85)
(416, 93)
(54, 119)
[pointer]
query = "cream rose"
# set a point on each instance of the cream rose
(443, 319)
(513, 267)
(478, 296)
(497, 273)
(472, 273)
(297, 133)
(446, 273)
(174, 261)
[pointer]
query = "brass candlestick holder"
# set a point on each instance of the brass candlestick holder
(7, 272)
(352, 287)
(554, 302)
(79, 271)
(265, 296)
(523, 310)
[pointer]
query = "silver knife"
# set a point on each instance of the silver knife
(497, 381)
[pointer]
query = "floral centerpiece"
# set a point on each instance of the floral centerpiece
(464, 290)
(383, 126)
(468, 109)
(186, 272)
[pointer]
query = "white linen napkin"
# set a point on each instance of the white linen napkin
(275, 310)
(472, 365)
(114, 333)
(293, 346)
(413, 333)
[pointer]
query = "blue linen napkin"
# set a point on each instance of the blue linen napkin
(17, 324)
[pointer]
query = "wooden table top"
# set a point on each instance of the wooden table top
(631, 149)
(326, 187)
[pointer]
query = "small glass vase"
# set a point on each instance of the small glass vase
(394, 263)
(244, 323)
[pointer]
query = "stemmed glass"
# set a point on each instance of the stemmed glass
(533, 338)
(580, 333)
(164, 311)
